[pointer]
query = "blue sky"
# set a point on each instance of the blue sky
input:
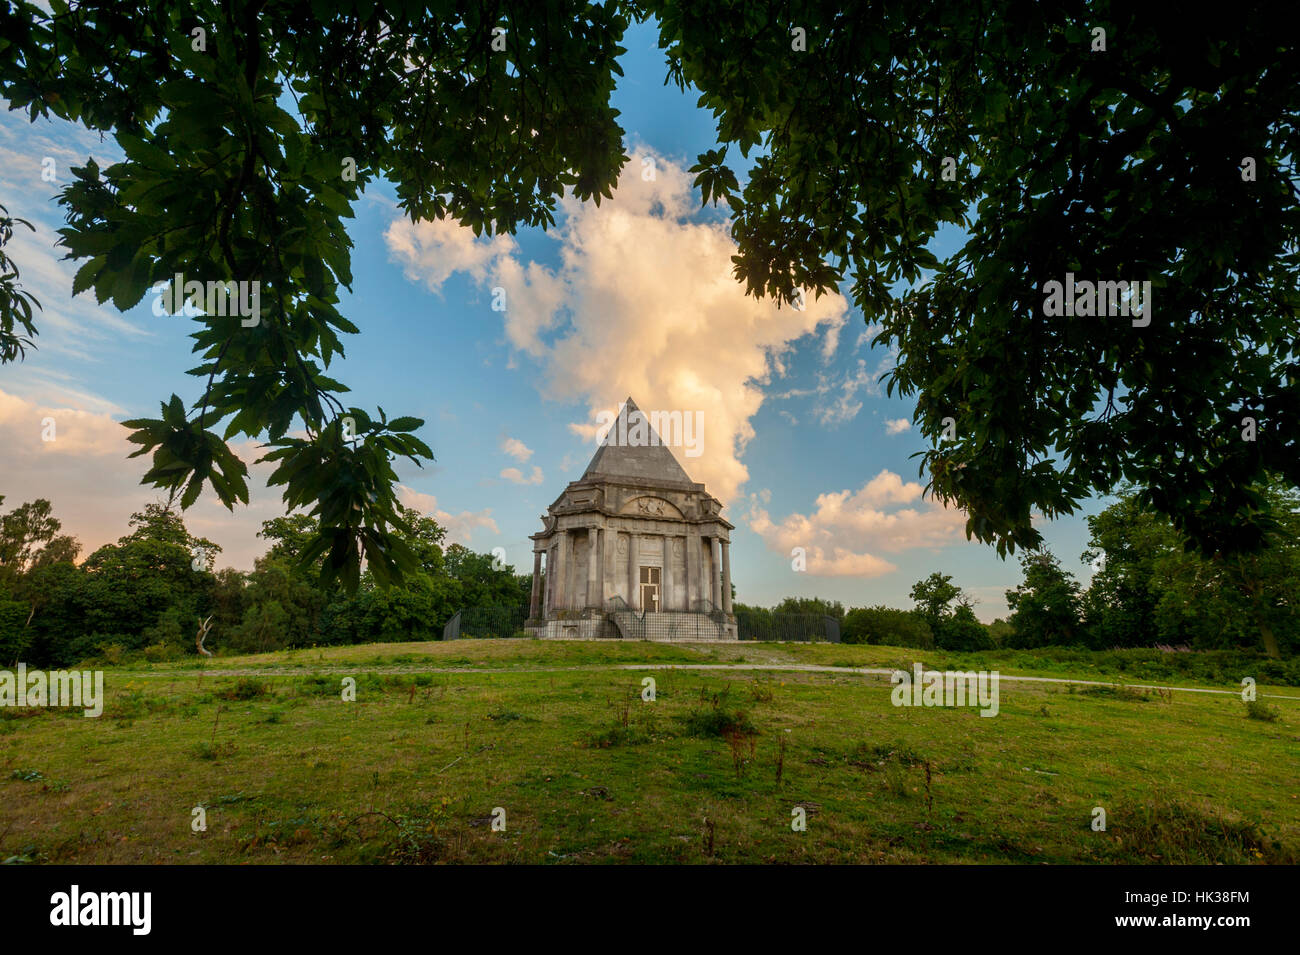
(635, 298)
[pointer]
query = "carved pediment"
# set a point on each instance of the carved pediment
(650, 506)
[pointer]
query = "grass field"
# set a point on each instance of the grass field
(557, 736)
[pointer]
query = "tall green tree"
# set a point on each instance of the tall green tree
(811, 605)
(934, 597)
(1045, 605)
(158, 568)
(1152, 587)
(30, 548)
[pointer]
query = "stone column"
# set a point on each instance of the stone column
(534, 604)
(726, 577)
(714, 580)
(602, 574)
(549, 594)
(688, 544)
(705, 591)
(560, 595)
(593, 566)
(666, 585)
(633, 572)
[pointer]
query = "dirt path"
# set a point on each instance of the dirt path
(608, 667)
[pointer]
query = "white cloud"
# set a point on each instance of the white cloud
(847, 530)
(515, 476)
(644, 303)
(866, 336)
(460, 527)
(897, 425)
(516, 449)
(94, 487)
(438, 249)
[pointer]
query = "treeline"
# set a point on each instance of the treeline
(146, 594)
(1148, 589)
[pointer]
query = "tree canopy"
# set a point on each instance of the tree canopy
(1100, 140)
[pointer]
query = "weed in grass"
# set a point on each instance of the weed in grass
(619, 734)
(36, 776)
(1128, 694)
(1170, 833)
(245, 689)
(213, 751)
(873, 757)
(1259, 710)
(740, 743)
(27, 855)
(718, 722)
(412, 836)
(317, 684)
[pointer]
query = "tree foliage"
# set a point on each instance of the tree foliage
(1150, 587)
(1163, 155)
(887, 625)
(1127, 161)
(1045, 605)
(221, 183)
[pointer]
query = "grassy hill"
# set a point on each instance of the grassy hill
(557, 736)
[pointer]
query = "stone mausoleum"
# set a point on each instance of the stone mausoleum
(634, 549)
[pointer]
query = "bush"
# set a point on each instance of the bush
(887, 625)
(1259, 710)
(962, 632)
(161, 653)
(719, 722)
(245, 688)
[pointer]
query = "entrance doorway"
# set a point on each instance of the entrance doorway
(650, 588)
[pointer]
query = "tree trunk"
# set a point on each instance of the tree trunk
(1265, 631)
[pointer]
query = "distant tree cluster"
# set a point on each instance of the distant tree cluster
(1150, 589)
(147, 593)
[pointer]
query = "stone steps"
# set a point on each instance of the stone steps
(669, 626)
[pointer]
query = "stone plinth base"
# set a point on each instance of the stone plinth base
(666, 627)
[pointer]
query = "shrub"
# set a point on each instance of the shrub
(161, 653)
(887, 625)
(962, 632)
(1259, 710)
(719, 722)
(245, 688)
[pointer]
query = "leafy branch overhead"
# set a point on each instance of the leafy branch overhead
(1102, 139)
(222, 183)
(249, 129)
